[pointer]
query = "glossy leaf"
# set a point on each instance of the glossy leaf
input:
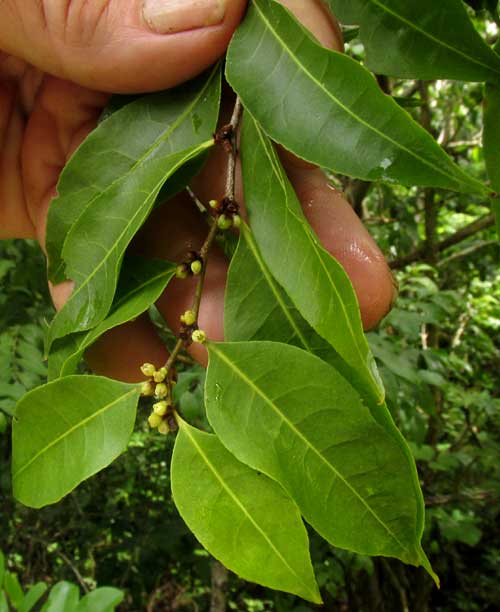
(141, 284)
(4, 606)
(113, 181)
(240, 516)
(257, 308)
(103, 599)
(286, 413)
(66, 431)
(420, 39)
(316, 283)
(326, 108)
(33, 596)
(63, 597)
(13, 589)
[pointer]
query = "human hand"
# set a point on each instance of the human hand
(58, 60)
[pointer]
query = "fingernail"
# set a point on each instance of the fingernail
(170, 16)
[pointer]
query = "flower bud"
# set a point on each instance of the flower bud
(188, 318)
(199, 336)
(154, 420)
(181, 271)
(147, 389)
(214, 204)
(160, 408)
(160, 375)
(237, 221)
(224, 223)
(163, 428)
(148, 369)
(161, 390)
(196, 267)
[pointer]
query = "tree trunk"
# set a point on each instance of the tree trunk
(220, 575)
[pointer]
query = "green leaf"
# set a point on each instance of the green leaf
(288, 414)
(257, 308)
(2, 569)
(240, 516)
(13, 589)
(491, 135)
(4, 606)
(63, 597)
(109, 187)
(104, 599)
(33, 596)
(141, 284)
(491, 144)
(314, 280)
(328, 109)
(66, 431)
(420, 39)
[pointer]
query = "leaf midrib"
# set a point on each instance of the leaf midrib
(88, 278)
(430, 36)
(240, 505)
(68, 432)
(306, 442)
(310, 238)
(357, 118)
(93, 334)
(164, 136)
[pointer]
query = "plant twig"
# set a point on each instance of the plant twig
(66, 560)
(419, 254)
(231, 168)
(229, 138)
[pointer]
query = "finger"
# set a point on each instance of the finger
(184, 230)
(338, 227)
(120, 45)
(120, 352)
(342, 233)
(314, 16)
(15, 222)
(63, 115)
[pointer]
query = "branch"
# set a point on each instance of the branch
(419, 254)
(224, 216)
(66, 560)
(468, 251)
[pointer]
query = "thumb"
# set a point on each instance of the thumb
(120, 46)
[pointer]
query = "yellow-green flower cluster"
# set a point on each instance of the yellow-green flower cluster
(157, 387)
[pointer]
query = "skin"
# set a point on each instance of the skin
(58, 62)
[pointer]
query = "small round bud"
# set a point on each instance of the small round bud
(160, 375)
(147, 389)
(163, 428)
(188, 318)
(181, 271)
(237, 221)
(199, 336)
(214, 204)
(160, 408)
(161, 390)
(148, 369)
(196, 267)
(154, 420)
(224, 223)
